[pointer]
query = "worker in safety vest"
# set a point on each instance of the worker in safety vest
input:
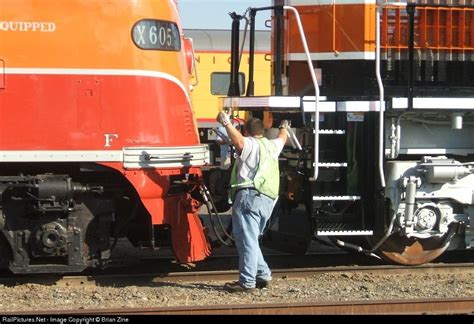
(254, 187)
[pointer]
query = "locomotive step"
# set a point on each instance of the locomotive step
(344, 233)
(331, 131)
(340, 198)
(340, 229)
(332, 165)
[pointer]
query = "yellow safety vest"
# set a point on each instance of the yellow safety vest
(267, 177)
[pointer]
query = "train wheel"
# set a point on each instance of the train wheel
(414, 251)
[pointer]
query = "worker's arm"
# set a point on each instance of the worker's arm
(238, 140)
(235, 137)
(283, 135)
(221, 137)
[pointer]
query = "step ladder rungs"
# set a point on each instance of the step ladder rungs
(331, 131)
(340, 198)
(344, 233)
(332, 164)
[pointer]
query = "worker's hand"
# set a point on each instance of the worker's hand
(284, 124)
(223, 118)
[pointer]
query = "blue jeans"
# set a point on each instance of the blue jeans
(250, 214)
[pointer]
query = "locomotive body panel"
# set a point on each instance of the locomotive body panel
(334, 31)
(80, 86)
(87, 112)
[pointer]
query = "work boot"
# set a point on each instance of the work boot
(236, 287)
(261, 284)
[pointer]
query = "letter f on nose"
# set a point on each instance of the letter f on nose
(109, 139)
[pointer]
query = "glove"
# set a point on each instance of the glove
(223, 118)
(284, 124)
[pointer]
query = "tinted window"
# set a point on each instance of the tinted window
(220, 82)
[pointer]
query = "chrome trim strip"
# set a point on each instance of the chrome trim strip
(165, 157)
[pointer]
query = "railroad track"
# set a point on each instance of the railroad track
(219, 268)
(406, 306)
(227, 275)
(403, 307)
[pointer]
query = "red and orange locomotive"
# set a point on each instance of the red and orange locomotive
(98, 138)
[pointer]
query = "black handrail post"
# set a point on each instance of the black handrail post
(278, 45)
(411, 50)
(234, 87)
(251, 84)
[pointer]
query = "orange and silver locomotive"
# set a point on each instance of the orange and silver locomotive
(98, 137)
(381, 97)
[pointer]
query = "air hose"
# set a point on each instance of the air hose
(212, 211)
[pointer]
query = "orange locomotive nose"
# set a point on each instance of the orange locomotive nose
(95, 96)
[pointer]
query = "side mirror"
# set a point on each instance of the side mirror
(189, 53)
(190, 60)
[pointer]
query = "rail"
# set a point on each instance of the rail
(410, 306)
(127, 278)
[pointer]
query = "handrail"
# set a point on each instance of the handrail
(251, 83)
(234, 87)
(381, 95)
(334, 27)
(316, 89)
